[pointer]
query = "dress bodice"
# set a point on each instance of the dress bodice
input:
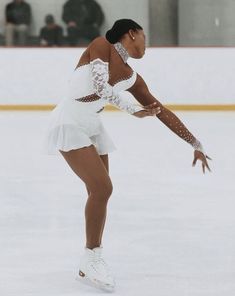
(81, 85)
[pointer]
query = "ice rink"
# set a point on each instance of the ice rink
(170, 229)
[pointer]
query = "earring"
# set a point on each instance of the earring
(133, 38)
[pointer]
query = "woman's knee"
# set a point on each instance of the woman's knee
(102, 191)
(109, 189)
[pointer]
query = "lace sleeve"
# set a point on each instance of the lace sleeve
(100, 78)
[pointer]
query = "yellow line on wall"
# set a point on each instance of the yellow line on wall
(201, 107)
(26, 107)
(111, 108)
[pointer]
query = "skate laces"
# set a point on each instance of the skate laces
(99, 259)
(98, 262)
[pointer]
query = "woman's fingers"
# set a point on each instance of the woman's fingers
(203, 167)
(203, 158)
(206, 164)
(152, 111)
(156, 111)
(194, 161)
(154, 108)
(150, 106)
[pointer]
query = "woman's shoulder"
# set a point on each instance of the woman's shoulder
(99, 48)
(100, 41)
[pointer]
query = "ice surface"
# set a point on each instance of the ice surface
(170, 229)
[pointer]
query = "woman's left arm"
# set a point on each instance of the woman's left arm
(142, 94)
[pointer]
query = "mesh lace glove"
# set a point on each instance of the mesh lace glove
(100, 78)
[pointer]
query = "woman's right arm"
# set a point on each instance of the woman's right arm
(142, 94)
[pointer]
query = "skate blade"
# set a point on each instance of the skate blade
(81, 277)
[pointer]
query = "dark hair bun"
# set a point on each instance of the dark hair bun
(111, 36)
(120, 28)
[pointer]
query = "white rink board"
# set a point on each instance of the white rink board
(175, 75)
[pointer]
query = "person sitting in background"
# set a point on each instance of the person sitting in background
(51, 34)
(18, 17)
(83, 19)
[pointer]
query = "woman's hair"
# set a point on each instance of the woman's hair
(120, 28)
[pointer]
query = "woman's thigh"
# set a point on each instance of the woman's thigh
(90, 167)
(105, 160)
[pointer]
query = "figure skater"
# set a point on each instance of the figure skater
(77, 132)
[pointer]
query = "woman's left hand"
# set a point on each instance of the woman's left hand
(201, 156)
(149, 110)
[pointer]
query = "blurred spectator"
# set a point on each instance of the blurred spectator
(83, 19)
(18, 17)
(51, 34)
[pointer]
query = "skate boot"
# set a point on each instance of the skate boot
(94, 271)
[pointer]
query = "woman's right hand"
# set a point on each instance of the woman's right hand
(199, 155)
(150, 110)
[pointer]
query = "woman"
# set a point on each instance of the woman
(77, 132)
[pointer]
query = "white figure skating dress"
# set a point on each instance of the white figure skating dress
(76, 122)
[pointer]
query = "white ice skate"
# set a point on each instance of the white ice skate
(94, 271)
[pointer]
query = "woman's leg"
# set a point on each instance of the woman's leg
(105, 160)
(90, 167)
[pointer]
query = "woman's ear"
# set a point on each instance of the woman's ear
(131, 34)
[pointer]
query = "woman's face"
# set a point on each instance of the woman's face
(139, 43)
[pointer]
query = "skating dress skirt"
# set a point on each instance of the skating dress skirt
(76, 124)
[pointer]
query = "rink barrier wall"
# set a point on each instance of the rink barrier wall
(111, 108)
(184, 78)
